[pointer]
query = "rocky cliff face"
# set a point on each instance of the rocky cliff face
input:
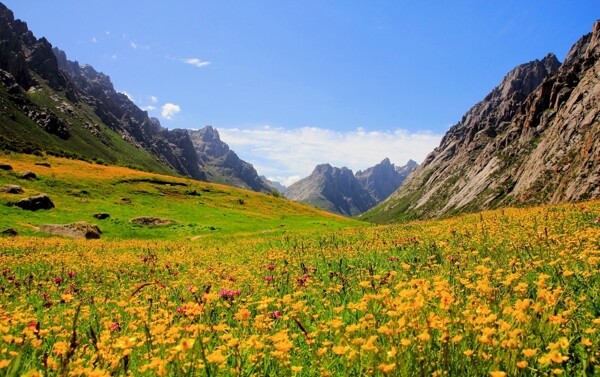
(532, 140)
(116, 110)
(332, 189)
(222, 164)
(384, 178)
(339, 190)
(45, 89)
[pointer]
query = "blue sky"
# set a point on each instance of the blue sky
(344, 82)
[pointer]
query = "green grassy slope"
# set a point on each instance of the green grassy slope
(200, 209)
(90, 139)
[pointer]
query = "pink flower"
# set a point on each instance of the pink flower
(271, 267)
(269, 279)
(276, 314)
(229, 294)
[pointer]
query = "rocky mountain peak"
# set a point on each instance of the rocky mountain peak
(551, 63)
(208, 142)
(530, 141)
(339, 190)
(222, 164)
(322, 169)
(384, 178)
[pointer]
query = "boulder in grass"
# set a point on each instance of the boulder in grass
(33, 203)
(11, 189)
(101, 215)
(80, 229)
(5, 167)
(10, 232)
(151, 221)
(28, 175)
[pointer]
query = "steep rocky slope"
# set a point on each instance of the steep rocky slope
(221, 164)
(332, 189)
(120, 114)
(533, 139)
(339, 190)
(49, 104)
(384, 178)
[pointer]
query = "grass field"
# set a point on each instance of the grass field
(506, 292)
(79, 190)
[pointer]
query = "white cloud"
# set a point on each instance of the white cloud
(286, 155)
(134, 45)
(169, 109)
(114, 57)
(94, 40)
(149, 108)
(196, 62)
(153, 99)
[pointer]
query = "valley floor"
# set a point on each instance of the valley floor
(505, 292)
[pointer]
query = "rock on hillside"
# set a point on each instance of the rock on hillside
(221, 164)
(384, 178)
(532, 140)
(332, 189)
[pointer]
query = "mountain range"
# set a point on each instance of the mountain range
(49, 104)
(339, 190)
(533, 139)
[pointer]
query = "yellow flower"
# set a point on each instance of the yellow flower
(216, 357)
(556, 357)
(522, 364)
(497, 373)
(339, 350)
(186, 344)
(66, 297)
(296, 368)
(4, 363)
(424, 336)
(528, 352)
(586, 342)
(468, 353)
(386, 368)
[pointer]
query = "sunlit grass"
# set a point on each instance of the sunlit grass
(506, 292)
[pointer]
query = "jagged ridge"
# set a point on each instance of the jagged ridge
(531, 140)
(339, 190)
(222, 164)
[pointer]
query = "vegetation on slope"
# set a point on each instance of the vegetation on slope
(504, 292)
(79, 190)
(89, 138)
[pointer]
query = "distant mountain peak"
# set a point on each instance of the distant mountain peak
(222, 164)
(339, 190)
